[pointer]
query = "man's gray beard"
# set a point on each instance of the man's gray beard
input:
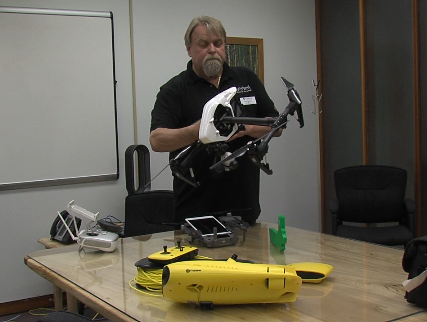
(212, 67)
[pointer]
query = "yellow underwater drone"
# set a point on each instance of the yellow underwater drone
(208, 282)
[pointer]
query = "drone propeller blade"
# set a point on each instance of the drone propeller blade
(288, 84)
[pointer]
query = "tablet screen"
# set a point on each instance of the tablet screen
(206, 225)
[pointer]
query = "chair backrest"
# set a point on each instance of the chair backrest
(146, 211)
(149, 212)
(370, 193)
(137, 169)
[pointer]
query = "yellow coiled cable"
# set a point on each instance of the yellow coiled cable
(149, 280)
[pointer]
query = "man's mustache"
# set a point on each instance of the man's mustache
(213, 57)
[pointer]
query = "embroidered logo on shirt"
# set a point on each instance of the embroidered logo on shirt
(244, 89)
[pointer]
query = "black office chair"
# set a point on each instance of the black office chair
(146, 211)
(371, 205)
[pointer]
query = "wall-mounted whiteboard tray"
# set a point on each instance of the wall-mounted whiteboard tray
(58, 120)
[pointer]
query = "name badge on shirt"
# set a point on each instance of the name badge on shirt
(248, 100)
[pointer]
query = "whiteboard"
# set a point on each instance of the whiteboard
(58, 120)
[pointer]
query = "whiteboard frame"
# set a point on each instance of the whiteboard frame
(5, 186)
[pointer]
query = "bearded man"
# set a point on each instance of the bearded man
(175, 123)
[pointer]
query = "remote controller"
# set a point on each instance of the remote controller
(174, 254)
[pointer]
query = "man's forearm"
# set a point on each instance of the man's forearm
(167, 140)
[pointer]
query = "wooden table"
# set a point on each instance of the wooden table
(416, 317)
(49, 243)
(58, 299)
(364, 286)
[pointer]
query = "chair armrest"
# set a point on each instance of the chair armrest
(334, 205)
(410, 205)
(334, 224)
(410, 208)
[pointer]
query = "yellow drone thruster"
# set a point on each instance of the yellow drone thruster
(229, 282)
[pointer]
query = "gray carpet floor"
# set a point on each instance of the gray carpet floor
(35, 315)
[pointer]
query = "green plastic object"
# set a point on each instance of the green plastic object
(278, 236)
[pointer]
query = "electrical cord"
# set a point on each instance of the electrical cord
(41, 311)
(149, 280)
(113, 220)
(112, 224)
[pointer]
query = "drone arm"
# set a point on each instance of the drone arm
(181, 164)
(278, 124)
(274, 122)
(289, 110)
(262, 147)
(197, 147)
(248, 120)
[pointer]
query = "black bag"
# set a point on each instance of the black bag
(414, 262)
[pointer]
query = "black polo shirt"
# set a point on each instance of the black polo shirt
(180, 103)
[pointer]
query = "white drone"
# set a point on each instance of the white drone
(219, 122)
